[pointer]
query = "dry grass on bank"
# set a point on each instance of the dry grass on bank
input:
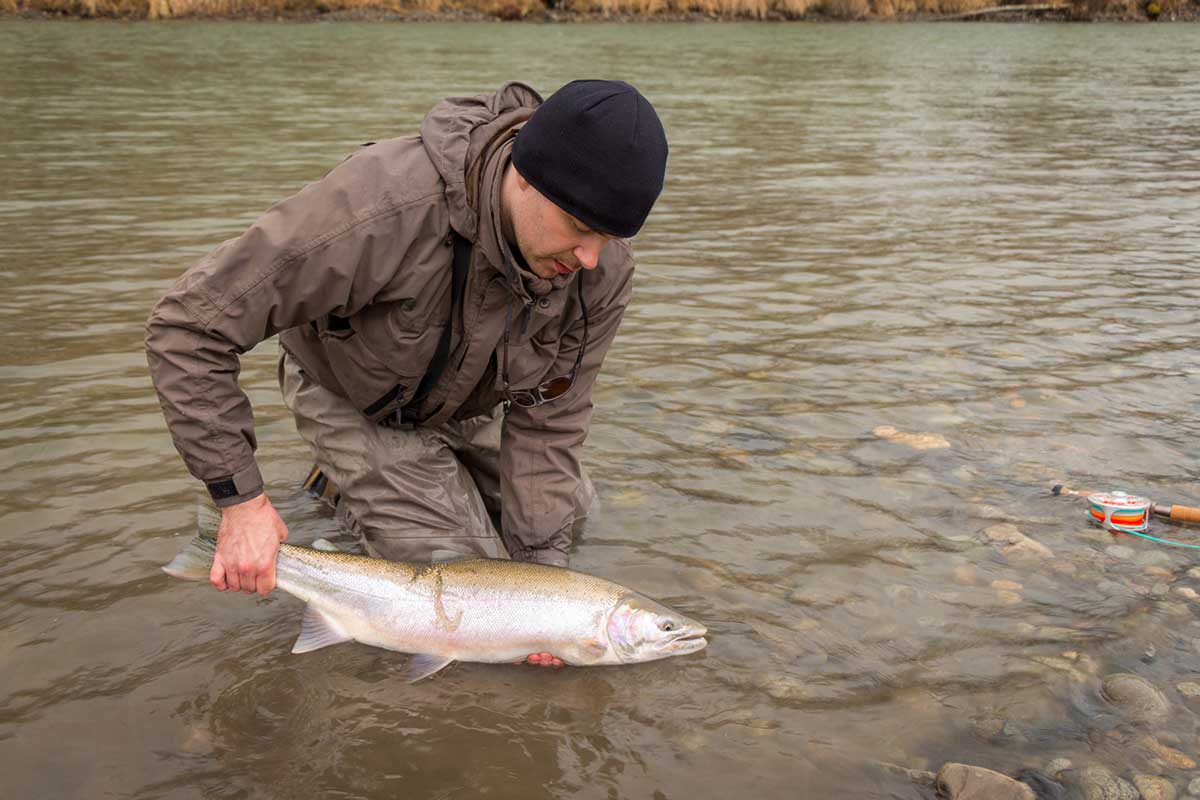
(789, 9)
(518, 9)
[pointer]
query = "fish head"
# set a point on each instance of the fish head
(641, 629)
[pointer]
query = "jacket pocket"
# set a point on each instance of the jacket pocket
(529, 363)
(378, 371)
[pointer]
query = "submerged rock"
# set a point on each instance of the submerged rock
(1058, 765)
(1097, 783)
(917, 441)
(1134, 697)
(1009, 598)
(1169, 755)
(1012, 542)
(1156, 558)
(1153, 787)
(964, 782)
(1189, 689)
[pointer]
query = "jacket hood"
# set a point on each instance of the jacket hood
(458, 130)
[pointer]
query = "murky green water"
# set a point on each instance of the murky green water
(985, 233)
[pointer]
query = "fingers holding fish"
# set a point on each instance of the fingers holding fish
(545, 660)
(248, 540)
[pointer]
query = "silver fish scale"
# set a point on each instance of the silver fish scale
(476, 610)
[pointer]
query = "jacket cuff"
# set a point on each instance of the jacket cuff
(237, 488)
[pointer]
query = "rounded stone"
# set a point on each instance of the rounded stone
(1120, 551)
(1153, 787)
(965, 782)
(1058, 765)
(1155, 558)
(1097, 783)
(1194, 786)
(1136, 698)
(1189, 689)
(963, 575)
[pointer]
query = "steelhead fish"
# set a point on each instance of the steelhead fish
(484, 610)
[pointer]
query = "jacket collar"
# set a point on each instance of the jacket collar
(523, 283)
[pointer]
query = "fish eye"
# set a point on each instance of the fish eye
(667, 626)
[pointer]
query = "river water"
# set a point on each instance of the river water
(985, 234)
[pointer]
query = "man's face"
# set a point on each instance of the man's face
(551, 240)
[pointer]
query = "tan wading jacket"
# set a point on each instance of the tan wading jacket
(355, 271)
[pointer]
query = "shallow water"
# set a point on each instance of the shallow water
(985, 233)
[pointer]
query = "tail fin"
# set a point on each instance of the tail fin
(194, 562)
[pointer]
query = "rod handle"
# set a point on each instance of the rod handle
(1185, 513)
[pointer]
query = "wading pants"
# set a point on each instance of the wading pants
(408, 494)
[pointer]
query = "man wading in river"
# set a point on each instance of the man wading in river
(444, 304)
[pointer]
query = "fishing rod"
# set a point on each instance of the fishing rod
(1176, 512)
(1127, 513)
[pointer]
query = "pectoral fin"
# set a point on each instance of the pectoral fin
(422, 666)
(317, 631)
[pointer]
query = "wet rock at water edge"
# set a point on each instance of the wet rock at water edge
(1153, 787)
(1058, 765)
(1134, 697)
(964, 782)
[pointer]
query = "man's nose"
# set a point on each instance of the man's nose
(588, 252)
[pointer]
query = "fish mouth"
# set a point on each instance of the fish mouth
(688, 641)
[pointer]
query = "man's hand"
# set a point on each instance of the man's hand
(247, 543)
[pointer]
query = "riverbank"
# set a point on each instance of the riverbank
(572, 11)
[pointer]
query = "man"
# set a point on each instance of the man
(444, 304)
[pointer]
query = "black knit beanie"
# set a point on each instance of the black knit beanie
(598, 151)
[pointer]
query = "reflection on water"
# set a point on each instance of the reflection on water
(981, 233)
